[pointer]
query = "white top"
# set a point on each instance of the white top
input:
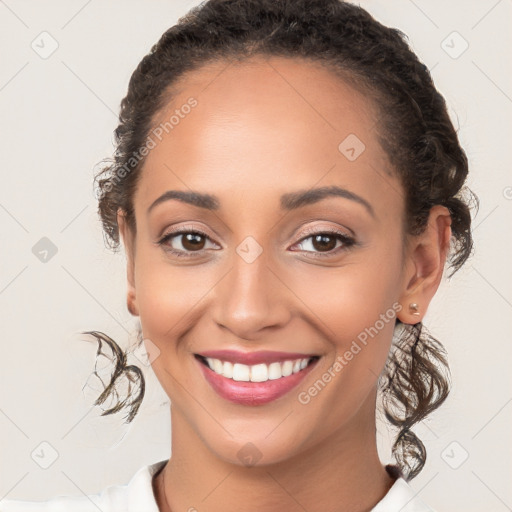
(137, 496)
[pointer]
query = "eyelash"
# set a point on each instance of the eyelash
(348, 242)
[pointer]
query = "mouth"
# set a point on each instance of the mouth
(255, 384)
(260, 372)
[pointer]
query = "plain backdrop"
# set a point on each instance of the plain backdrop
(58, 113)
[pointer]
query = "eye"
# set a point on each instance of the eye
(326, 243)
(184, 242)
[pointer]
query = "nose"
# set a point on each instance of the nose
(251, 299)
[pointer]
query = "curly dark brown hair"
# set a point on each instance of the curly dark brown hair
(414, 129)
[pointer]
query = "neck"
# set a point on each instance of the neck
(343, 473)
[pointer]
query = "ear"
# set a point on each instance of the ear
(425, 260)
(127, 238)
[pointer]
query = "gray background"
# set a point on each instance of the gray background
(57, 118)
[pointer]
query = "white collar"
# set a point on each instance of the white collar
(401, 497)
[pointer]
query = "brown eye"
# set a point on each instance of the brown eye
(185, 242)
(192, 241)
(326, 243)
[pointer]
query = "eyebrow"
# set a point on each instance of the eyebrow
(290, 201)
(305, 197)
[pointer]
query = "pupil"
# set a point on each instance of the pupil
(192, 241)
(320, 240)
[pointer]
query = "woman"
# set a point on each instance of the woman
(288, 187)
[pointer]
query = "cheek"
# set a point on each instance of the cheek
(166, 295)
(348, 300)
(355, 308)
(357, 322)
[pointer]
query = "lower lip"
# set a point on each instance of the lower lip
(253, 393)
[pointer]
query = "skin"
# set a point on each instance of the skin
(264, 128)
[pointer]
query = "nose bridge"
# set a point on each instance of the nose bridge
(250, 297)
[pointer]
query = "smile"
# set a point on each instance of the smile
(258, 372)
(254, 384)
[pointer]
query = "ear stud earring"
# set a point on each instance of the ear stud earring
(413, 307)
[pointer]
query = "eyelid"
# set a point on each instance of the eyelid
(182, 230)
(316, 230)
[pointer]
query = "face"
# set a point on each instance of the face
(268, 271)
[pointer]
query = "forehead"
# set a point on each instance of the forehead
(265, 126)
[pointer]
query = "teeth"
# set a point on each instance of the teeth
(227, 369)
(241, 372)
(288, 368)
(217, 366)
(258, 372)
(274, 371)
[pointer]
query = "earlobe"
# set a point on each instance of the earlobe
(426, 259)
(131, 305)
(126, 238)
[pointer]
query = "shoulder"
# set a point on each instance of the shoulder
(401, 498)
(136, 496)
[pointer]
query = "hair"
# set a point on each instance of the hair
(413, 127)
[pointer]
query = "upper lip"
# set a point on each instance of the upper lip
(251, 358)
